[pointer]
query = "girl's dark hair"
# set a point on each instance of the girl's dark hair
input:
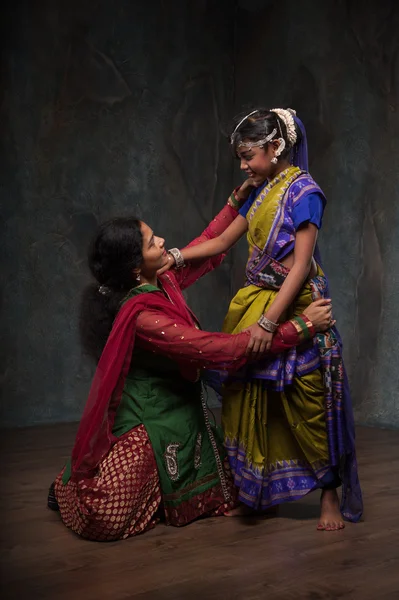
(115, 251)
(258, 126)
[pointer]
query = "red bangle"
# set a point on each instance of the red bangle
(235, 192)
(234, 200)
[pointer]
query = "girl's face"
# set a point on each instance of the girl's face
(154, 253)
(257, 163)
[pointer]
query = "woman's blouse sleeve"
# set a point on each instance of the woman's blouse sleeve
(194, 270)
(160, 334)
(187, 344)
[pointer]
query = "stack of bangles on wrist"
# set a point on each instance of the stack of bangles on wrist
(234, 200)
(267, 325)
(177, 255)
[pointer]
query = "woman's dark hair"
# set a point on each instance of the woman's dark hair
(258, 126)
(115, 251)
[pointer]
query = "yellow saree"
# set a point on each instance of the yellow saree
(273, 414)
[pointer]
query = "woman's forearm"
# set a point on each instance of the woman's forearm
(205, 350)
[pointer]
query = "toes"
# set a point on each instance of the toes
(330, 526)
(335, 526)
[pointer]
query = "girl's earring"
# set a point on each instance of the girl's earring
(138, 277)
(281, 147)
(274, 160)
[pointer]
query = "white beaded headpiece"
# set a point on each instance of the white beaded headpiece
(286, 115)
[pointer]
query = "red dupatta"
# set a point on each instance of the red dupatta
(94, 437)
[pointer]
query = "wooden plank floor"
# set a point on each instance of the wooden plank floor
(283, 558)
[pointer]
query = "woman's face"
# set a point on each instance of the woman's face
(257, 163)
(154, 253)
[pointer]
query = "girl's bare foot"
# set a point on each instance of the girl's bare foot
(330, 515)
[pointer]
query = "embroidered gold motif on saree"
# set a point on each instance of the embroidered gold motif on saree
(171, 462)
(219, 465)
(197, 454)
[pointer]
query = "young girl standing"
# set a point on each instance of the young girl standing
(287, 420)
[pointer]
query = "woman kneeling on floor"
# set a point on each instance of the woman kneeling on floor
(145, 449)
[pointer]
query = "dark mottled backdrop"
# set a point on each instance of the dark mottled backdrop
(337, 63)
(111, 108)
(115, 108)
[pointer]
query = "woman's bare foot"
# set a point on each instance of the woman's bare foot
(242, 510)
(330, 515)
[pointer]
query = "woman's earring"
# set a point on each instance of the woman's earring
(138, 277)
(274, 160)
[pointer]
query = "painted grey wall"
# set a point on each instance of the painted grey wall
(110, 108)
(337, 64)
(115, 107)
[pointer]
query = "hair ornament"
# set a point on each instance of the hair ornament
(104, 290)
(287, 115)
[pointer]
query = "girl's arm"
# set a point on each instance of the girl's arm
(223, 231)
(207, 260)
(217, 245)
(305, 243)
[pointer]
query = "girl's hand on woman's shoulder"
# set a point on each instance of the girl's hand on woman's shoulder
(167, 266)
